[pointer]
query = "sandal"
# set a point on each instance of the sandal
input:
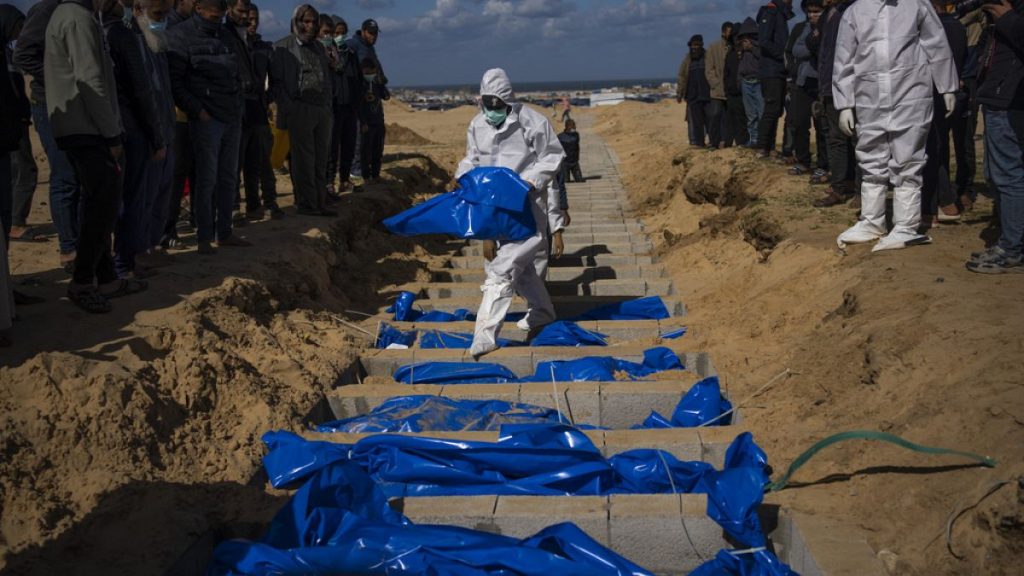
(797, 170)
(126, 287)
(819, 176)
(90, 300)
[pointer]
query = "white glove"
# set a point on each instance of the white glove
(846, 121)
(950, 101)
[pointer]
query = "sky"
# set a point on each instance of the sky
(437, 42)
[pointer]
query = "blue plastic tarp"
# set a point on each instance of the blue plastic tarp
(648, 308)
(490, 204)
(388, 335)
(606, 368)
(702, 403)
(586, 369)
(744, 563)
(673, 334)
(440, 414)
(534, 460)
(454, 373)
(339, 522)
(441, 339)
(565, 333)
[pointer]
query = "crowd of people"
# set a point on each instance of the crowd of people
(139, 104)
(885, 86)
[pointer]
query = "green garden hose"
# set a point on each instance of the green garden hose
(870, 435)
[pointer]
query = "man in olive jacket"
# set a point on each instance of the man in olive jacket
(715, 72)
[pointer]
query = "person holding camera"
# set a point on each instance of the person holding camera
(1002, 100)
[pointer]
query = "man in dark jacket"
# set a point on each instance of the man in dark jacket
(254, 114)
(300, 79)
(145, 140)
(842, 166)
(1001, 95)
(693, 86)
(184, 159)
(363, 44)
(207, 87)
(735, 115)
(64, 189)
(256, 169)
(371, 120)
(938, 198)
(348, 91)
(772, 37)
(183, 10)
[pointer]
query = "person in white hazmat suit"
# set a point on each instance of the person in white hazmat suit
(507, 134)
(889, 53)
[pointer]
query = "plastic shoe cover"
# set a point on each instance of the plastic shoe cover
(861, 232)
(523, 325)
(898, 239)
(496, 301)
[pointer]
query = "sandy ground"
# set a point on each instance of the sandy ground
(125, 438)
(906, 342)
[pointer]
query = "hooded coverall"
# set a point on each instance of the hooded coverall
(526, 143)
(888, 55)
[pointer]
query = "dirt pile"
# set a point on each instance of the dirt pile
(906, 342)
(144, 432)
(398, 135)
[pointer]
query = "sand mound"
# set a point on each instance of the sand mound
(143, 433)
(399, 135)
(905, 342)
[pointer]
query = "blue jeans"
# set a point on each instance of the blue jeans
(64, 189)
(215, 145)
(1004, 169)
(753, 104)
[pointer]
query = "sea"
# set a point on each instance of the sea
(555, 87)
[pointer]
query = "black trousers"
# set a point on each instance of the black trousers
(699, 121)
(254, 164)
(571, 172)
(936, 189)
(714, 111)
(343, 143)
(965, 126)
(736, 133)
(184, 171)
(801, 115)
(841, 151)
(372, 150)
(774, 92)
(101, 180)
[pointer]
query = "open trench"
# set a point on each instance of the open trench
(607, 259)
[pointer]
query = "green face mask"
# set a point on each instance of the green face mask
(340, 39)
(496, 117)
(369, 78)
(326, 42)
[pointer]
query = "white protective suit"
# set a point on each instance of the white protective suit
(889, 53)
(527, 144)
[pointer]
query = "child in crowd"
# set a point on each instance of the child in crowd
(371, 120)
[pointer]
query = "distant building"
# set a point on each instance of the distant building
(607, 98)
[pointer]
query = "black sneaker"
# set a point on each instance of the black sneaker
(275, 212)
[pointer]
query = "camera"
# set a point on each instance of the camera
(964, 7)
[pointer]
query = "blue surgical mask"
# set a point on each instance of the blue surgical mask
(496, 117)
(158, 26)
(340, 39)
(369, 77)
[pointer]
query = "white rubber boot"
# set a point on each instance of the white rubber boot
(906, 218)
(871, 225)
(496, 301)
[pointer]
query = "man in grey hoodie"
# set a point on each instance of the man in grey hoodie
(81, 98)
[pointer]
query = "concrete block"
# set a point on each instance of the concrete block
(355, 400)
(504, 392)
(580, 402)
(473, 512)
(522, 516)
(715, 441)
(383, 363)
(833, 549)
(626, 404)
(683, 443)
(650, 530)
(517, 359)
